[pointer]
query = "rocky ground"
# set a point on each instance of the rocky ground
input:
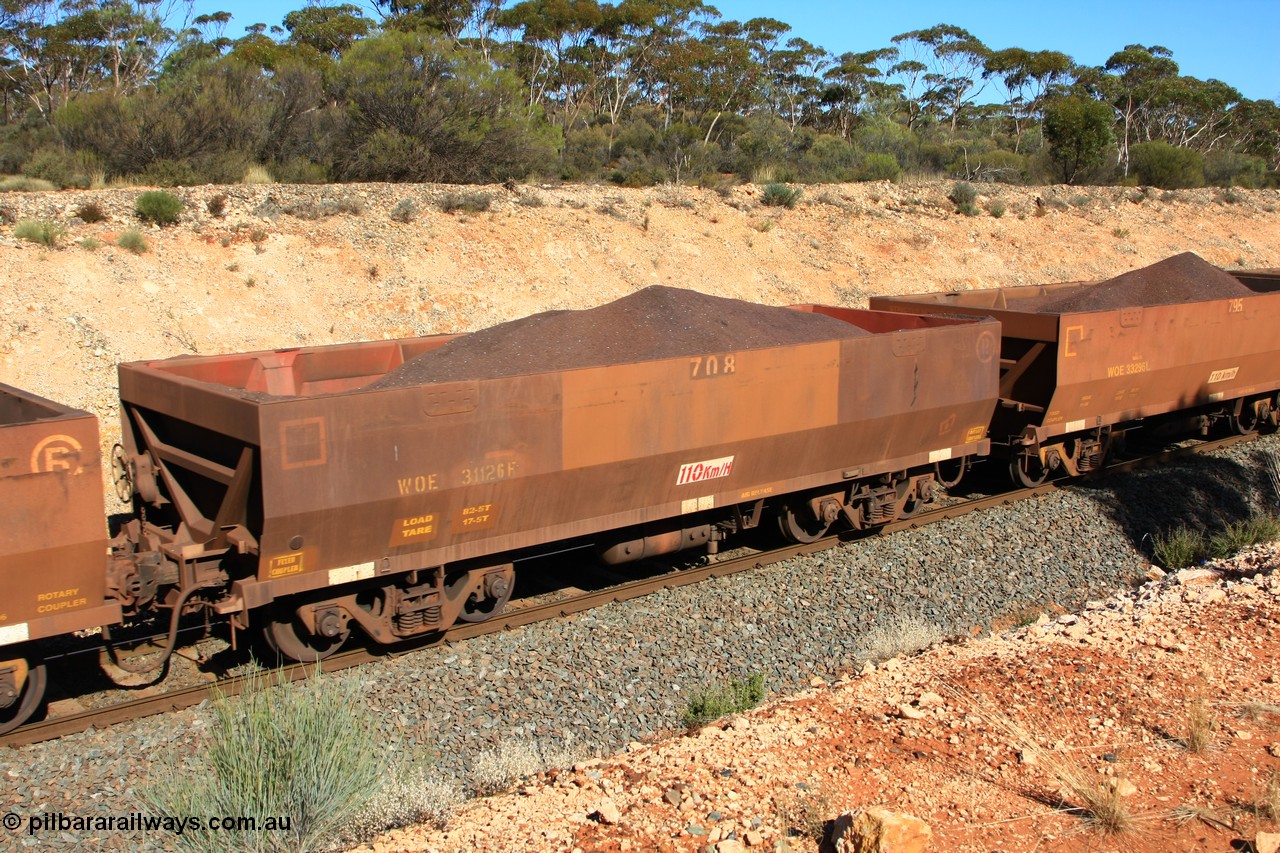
(972, 737)
(1077, 732)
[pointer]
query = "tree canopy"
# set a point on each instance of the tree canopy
(635, 91)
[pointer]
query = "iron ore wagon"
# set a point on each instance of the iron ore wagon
(392, 484)
(1082, 363)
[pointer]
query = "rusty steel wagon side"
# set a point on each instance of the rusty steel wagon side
(303, 489)
(53, 542)
(1074, 380)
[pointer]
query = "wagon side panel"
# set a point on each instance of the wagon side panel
(53, 543)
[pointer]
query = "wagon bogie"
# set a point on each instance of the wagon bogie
(309, 628)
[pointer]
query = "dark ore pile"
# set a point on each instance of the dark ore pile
(654, 323)
(1182, 278)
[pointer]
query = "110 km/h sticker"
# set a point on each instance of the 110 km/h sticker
(711, 469)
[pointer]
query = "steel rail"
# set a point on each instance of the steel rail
(521, 616)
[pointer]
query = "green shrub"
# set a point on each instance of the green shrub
(300, 171)
(44, 233)
(171, 173)
(90, 212)
(467, 202)
(1182, 546)
(716, 702)
(1077, 131)
(159, 207)
(780, 195)
(823, 158)
(406, 210)
(963, 193)
(1179, 548)
(1160, 164)
(1239, 535)
(998, 165)
(879, 167)
(1230, 169)
(89, 244)
(61, 168)
(132, 239)
(310, 752)
(996, 208)
(17, 184)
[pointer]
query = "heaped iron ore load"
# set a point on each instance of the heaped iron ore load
(1082, 362)
(406, 474)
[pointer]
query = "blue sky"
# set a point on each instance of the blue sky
(1236, 41)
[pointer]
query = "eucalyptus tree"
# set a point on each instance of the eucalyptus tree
(943, 74)
(720, 73)
(1256, 130)
(661, 64)
(328, 30)
(853, 82)
(796, 83)
(54, 50)
(1028, 78)
(1078, 130)
(1129, 81)
(420, 108)
(1189, 113)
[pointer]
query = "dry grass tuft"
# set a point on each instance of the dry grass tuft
(898, 635)
(1252, 709)
(1185, 814)
(257, 174)
(1200, 725)
(1099, 799)
(1268, 805)
(804, 810)
(497, 770)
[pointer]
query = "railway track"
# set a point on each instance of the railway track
(526, 613)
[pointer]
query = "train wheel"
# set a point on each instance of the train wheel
(286, 636)
(16, 710)
(481, 606)
(1245, 423)
(121, 474)
(1028, 471)
(796, 529)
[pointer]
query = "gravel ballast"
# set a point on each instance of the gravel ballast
(596, 682)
